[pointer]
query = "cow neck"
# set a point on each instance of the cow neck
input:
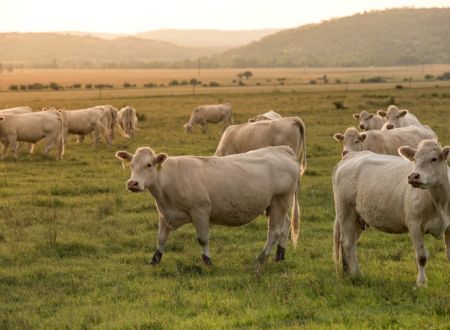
(157, 186)
(440, 196)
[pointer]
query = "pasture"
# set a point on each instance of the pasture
(75, 245)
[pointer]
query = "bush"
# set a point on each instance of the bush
(76, 86)
(150, 85)
(376, 79)
(88, 86)
(338, 81)
(398, 86)
(444, 76)
(13, 87)
(37, 86)
(214, 84)
(184, 82)
(23, 87)
(241, 83)
(101, 86)
(174, 83)
(55, 86)
(339, 105)
(312, 82)
(429, 77)
(258, 84)
(127, 85)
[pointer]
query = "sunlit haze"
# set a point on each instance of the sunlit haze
(133, 16)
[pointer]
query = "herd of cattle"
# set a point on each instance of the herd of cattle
(21, 124)
(393, 174)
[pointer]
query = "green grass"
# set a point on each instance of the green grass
(75, 245)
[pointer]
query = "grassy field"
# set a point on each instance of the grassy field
(74, 244)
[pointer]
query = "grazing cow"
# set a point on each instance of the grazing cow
(32, 127)
(85, 121)
(225, 191)
(369, 121)
(127, 120)
(288, 131)
(16, 111)
(109, 120)
(214, 113)
(396, 118)
(383, 142)
(270, 115)
(393, 195)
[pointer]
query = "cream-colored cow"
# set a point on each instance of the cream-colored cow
(369, 121)
(16, 110)
(269, 115)
(229, 191)
(395, 195)
(127, 121)
(109, 120)
(383, 142)
(396, 118)
(213, 113)
(32, 127)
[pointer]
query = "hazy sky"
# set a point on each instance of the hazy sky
(130, 16)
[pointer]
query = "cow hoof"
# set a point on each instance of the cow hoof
(206, 260)
(261, 258)
(156, 259)
(280, 253)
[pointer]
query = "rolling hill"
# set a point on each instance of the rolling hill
(382, 38)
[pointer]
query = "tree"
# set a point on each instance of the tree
(194, 82)
(248, 74)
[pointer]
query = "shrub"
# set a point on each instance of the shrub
(184, 82)
(241, 83)
(127, 85)
(174, 83)
(88, 86)
(444, 76)
(37, 86)
(13, 87)
(312, 82)
(55, 86)
(214, 84)
(339, 105)
(23, 87)
(429, 77)
(150, 85)
(399, 86)
(377, 79)
(338, 81)
(76, 86)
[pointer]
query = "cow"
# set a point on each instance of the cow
(241, 138)
(395, 195)
(396, 118)
(109, 120)
(85, 121)
(270, 115)
(369, 121)
(214, 113)
(32, 127)
(16, 111)
(229, 191)
(383, 142)
(126, 121)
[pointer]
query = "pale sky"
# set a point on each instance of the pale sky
(131, 16)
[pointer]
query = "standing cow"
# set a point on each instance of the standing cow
(369, 121)
(109, 120)
(214, 113)
(383, 142)
(32, 127)
(393, 195)
(229, 191)
(269, 115)
(396, 118)
(127, 121)
(16, 111)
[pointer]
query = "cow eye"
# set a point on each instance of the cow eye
(357, 141)
(149, 165)
(434, 159)
(398, 116)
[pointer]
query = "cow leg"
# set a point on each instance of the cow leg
(31, 148)
(205, 127)
(447, 242)
(350, 230)
(163, 235)
(80, 138)
(282, 241)
(50, 140)
(276, 221)
(96, 137)
(5, 149)
(421, 255)
(201, 224)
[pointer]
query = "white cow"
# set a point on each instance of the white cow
(288, 131)
(270, 115)
(369, 121)
(127, 121)
(394, 195)
(16, 111)
(396, 118)
(383, 142)
(229, 191)
(214, 113)
(32, 127)
(109, 120)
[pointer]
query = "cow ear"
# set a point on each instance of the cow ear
(446, 152)
(403, 113)
(356, 115)
(381, 113)
(251, 120)
(407, 152)
(371, 116)
(339, 137)
(2, 118)
(125, 157)
(362, 137)
(160, 158)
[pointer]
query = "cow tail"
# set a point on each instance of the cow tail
(302, 152)
(100, 124)
(295, 216)
(60, 137)
(337, 244)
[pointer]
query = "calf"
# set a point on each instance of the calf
(229, 191)
(383, 142)
(395, 195)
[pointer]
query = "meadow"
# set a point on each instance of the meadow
(75, 245)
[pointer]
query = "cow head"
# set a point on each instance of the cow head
(351, 140)
(144, 166)
(188, 128)
(365, 120)
(393, 117)
(430, 160)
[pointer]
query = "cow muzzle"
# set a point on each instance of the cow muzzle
(133, 186)
(414, 180)
(390, 126)
(362, 126)
(345, 152)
